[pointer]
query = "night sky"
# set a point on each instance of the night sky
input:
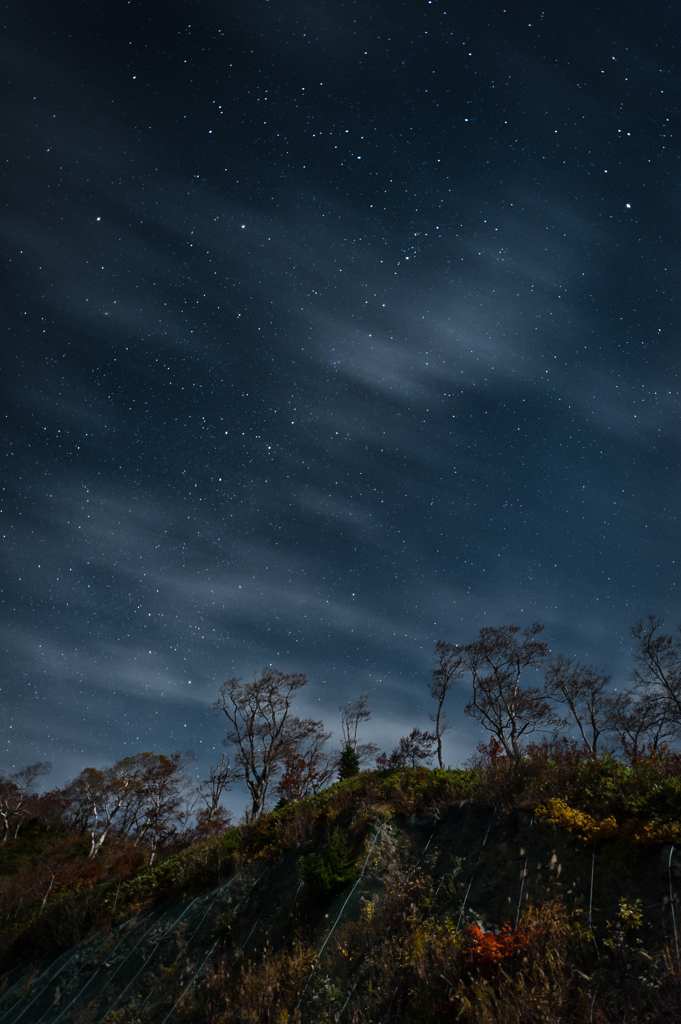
(330, 329)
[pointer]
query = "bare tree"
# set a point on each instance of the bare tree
(639, 722)
(449, 669)
(496, 662)
(17, 793)
(583, 690)
(262, 729)
(219, 779)
(658, 665)
(351, 716)
(415, 749)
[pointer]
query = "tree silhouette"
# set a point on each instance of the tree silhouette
(351, 716)
(141, 797)
(210, 790)
(583, 690)
(640, 722)
(262, 730)
(449, 669)
(418, 748)
(348, 762)
(658, 665)
(496, 662)
(306, 767)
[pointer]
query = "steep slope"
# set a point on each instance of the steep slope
(381, 899)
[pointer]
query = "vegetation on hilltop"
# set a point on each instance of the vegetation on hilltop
(412, 949)
(117, 842)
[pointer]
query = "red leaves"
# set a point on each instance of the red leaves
(488, 951)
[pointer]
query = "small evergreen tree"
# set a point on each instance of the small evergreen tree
(334, 867)
(348, 762)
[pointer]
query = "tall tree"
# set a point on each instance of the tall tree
(449, 669)
(657, 657)
(509, 710)
(262, 730)
(351, 717)
(583, 691)
(165, 807)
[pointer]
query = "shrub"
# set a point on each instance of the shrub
(488, 951)
(333, 868)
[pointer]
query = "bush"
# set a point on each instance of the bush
(327, 872)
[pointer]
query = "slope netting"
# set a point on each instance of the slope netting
(484, 870)
(481, 870)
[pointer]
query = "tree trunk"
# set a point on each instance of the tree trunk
(438, 732)
(97, 844)
(49, 890)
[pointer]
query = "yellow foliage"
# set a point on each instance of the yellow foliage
(589, 830)
(649, 832)
(369, 905)
(557, 812)
(630, 914)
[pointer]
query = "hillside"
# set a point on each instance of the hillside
(545, 893)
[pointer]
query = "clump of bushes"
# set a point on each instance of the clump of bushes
(593, 797)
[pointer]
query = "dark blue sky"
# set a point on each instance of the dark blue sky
(330, 329)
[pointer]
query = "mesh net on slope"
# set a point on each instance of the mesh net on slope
(483, 868)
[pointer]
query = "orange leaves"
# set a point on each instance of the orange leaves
(488, 950)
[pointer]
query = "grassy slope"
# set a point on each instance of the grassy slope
(385, 898)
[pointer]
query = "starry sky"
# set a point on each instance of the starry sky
(330, 329)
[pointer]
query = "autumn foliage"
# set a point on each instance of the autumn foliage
(488, 951)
